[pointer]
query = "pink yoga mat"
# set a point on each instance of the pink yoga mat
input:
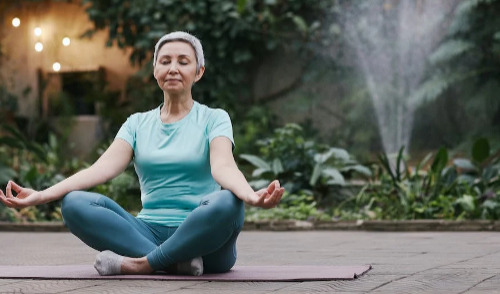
(238, 273)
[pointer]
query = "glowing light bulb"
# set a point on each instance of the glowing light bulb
(56, 66)
(38, 47)
(66, 41)
(38, 31)
(16, 22)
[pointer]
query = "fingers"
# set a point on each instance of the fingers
(8, 198)
(273, 186)
(3, 198)
(8, 190)
(9, 202)
(269, 197)
(269, 200)
(277, 194)
(15, 186)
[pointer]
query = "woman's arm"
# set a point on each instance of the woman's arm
(111, 163)
(227, 174)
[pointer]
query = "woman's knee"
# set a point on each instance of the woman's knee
(225, 204)
(69, 201)
(74, 203)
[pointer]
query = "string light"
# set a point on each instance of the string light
(38, 47)
(38, 31)
(66, 41)
(56, 66)
(16, 22)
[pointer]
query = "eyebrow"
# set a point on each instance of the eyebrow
(180, 56)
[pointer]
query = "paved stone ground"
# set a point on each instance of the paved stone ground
(409, 262)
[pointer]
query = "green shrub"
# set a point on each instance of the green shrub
(303, 165)
(35, 166)
(461, 188)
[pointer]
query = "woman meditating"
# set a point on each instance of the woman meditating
(182, 152)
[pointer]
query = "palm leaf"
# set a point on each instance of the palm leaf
(449, 50)
(256, 161)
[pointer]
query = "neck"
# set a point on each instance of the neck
(175, 108)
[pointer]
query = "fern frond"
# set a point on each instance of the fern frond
(434, 87)
(449, 50)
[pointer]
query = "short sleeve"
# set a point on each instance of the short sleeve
(127, 131)
(220, 126)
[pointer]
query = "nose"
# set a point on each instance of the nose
(173, 68)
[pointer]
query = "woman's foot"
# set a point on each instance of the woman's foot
(193, 267)
(108, 263)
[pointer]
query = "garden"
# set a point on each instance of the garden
(386, 119)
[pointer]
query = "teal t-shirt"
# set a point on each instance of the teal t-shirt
(172, 160)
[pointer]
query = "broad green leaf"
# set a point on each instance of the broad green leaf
(481, 150)
(339, 153)
(300, 23)
(256, 161)
(322, 157)
(259, 171)
(315, 174)
(277, 166)
(490, 204)
(467, 203)
(440, 161)
(361, 169)
(259, 184)
(336, 178)
(464, 164)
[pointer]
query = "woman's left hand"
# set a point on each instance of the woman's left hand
(267, 197)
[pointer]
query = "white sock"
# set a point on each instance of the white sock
(108, 263)
(193, 267)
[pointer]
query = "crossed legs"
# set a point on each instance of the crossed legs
(210, 232)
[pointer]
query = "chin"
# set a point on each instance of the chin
(173, 91)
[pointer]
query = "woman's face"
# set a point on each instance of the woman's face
(175, 68)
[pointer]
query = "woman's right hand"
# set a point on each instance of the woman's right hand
(24, 196)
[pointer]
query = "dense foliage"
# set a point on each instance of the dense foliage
(457, 188)
(464, 80)
(320, 181)
(459, 101)
(235, 35)
(303, 165)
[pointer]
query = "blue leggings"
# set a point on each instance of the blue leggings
(209, 231)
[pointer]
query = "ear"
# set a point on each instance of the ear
(199, 74)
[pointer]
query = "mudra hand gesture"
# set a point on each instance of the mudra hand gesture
(267, 197)
(24, 196)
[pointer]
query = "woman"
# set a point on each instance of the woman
(182, 153)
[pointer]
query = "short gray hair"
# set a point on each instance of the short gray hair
(183, 37)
